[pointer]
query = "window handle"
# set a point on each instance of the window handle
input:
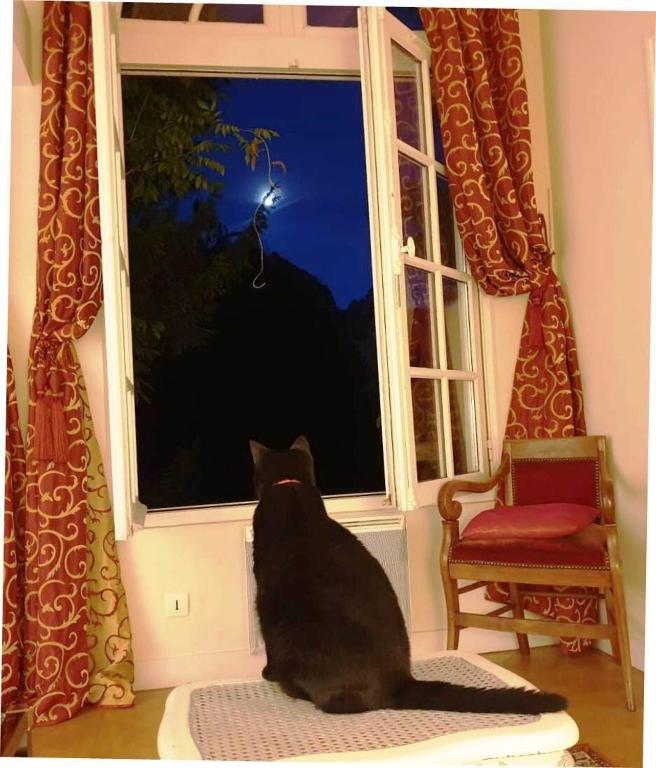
(409, 248)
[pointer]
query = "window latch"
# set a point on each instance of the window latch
(409, 248)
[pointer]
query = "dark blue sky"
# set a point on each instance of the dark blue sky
(322, 221)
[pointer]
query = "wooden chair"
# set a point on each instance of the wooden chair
(15, 725)
(564, 470)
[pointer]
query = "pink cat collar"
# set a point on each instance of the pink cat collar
(288, 481)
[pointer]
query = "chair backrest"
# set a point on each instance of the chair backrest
(568, 469)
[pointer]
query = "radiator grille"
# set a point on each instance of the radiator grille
(384, 539)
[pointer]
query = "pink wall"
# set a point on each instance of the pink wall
(597, 79)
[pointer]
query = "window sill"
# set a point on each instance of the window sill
(243, 513)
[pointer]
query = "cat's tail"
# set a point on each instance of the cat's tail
(433, 694)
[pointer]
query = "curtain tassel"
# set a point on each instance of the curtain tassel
(534, 318)
(58, 422)
(50, 442)
(43, 444)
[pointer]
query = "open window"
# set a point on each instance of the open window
(129, 513)
(421, 343)
(431, 300)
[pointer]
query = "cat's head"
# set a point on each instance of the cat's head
(293, 463)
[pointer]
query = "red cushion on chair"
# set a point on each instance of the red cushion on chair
(533, 521)
(585, 549)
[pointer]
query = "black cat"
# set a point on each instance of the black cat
(331, 623)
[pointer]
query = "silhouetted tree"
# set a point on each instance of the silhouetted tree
(174, 136)
(283, 361)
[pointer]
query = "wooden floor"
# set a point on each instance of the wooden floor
(592, 683)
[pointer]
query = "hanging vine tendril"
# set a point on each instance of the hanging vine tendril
(269, 200)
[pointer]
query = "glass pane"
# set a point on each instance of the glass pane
(437, 136)
(420, 301)
(427, 419)
(194, 283)
(456, 323)
(408, 16)
(448, 250)
(236, 14)
(463, 426)
(156, 11)
(407, 98)
(413, 187)
(332, 15)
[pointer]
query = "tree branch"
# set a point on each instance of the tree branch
(137, 118)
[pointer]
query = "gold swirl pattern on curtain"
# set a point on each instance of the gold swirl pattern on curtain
(479, 86)
(14, 555)
(77, 640)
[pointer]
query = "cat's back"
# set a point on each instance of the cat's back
(287, 519)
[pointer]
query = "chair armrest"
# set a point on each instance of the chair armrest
(449, 508)
(607, 501)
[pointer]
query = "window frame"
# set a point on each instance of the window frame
(129, 512)
(290, 45)
(382, 30)
(292, 52)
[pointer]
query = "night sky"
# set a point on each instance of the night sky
(321, 224)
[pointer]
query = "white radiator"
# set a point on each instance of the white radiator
(383, 536)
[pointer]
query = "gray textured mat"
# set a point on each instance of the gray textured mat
(256, 721)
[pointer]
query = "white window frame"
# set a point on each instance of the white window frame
(129, 513)
(292, 49)
(381, 29)
(199, 45)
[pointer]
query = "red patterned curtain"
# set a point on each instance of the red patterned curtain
(12, 608)
(478, 83)
(77, 642)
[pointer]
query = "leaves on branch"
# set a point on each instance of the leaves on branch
(174, 132)
(174, 138)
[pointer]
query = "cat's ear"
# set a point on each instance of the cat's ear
(301, 444)
(257, 451)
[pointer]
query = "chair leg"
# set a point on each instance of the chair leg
(518, 613)
(610, 611)
(452, 637)
(619, 606)
(14, 726)
(623, 635)
(452, 607)
(449, 584)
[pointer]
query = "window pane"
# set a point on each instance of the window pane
(427, 420)
(217, 361)
(332, 15)
(448, 251)
(407, 101)
(237, 14)
(463, 427)
(413, 184)
(456, 322)
(156, 11)
(420, 300)
(408, 16)
(437, 131)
